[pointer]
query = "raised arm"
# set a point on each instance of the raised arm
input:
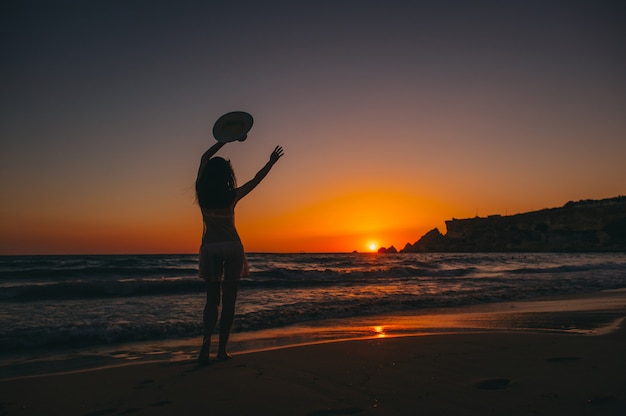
(208, 155)
(250, 185)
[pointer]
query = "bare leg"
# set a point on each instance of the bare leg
(228, 315)
(209, 319)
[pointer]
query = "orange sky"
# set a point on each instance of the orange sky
(393, 119)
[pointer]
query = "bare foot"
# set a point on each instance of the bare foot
(223, 356)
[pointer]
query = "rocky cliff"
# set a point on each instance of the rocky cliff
(589, 225)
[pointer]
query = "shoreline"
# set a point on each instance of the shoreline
(491, 372)
(584, 314)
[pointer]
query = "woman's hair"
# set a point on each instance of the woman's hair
(215, 187)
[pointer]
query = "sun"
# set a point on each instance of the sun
(372, 246)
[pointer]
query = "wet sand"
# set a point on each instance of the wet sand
(494, 371)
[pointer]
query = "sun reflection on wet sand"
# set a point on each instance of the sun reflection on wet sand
(379, 331)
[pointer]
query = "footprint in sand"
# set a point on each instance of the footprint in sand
(161, 403)
(493, 384)
(600, 400)
(129, 411)
(101, 412)
(562, 359)
(143, 384)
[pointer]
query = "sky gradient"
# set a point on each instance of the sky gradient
(394, 115)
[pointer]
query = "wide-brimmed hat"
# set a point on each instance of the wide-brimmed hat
(232, 126)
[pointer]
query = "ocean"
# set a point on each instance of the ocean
(78, 303)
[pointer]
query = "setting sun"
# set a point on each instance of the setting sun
(372, 246)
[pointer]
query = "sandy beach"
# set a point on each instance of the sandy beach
(484, 372)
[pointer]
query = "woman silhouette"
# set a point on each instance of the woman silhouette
(222, 261)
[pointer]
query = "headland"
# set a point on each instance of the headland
(582, 226)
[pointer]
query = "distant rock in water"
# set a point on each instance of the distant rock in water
(391, 250)
(588, 225)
